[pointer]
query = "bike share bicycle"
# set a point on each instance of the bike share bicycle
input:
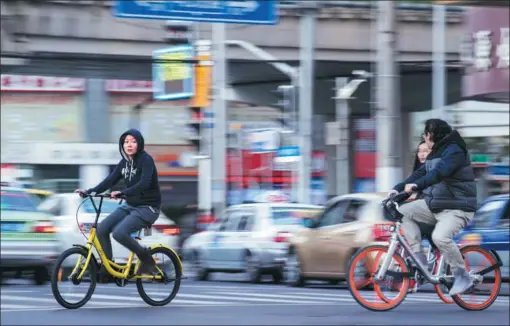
(387, 265)
(84, 270)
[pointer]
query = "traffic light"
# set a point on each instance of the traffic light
(288, 104)
(178, 33)
(195, 124)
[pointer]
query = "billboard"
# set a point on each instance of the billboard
(173, 80)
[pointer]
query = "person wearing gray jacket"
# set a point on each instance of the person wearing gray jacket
(448, 198)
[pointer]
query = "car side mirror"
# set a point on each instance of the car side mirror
(310, 223)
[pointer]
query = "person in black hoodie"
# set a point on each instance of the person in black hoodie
(143, 199)
(448, 198)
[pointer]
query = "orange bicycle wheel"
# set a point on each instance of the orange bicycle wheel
(371, 258)
(485, 292)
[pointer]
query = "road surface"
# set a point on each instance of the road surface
(235, 303)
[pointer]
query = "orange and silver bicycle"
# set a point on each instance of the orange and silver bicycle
(390, 274)
(83, 270)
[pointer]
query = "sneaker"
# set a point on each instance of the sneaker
(148, 264)
(462, 282)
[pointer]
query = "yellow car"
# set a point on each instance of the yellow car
(28, 236)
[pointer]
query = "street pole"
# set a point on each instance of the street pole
(306, 79)
(343, 175)
(438, 68)
(219, 151)
(389, 165)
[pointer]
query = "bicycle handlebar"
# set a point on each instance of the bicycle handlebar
(96, 208)
(398, 197)
(390, 204)
(103, 195)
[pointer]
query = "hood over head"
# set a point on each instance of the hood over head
(139, 139)
(452, 138)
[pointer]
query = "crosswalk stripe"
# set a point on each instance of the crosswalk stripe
(21, 298)
(14, 306)
(348, 297)
(410, 297)
(290, 296)
(239, 297)
(16, 291)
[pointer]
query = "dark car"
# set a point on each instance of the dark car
(490, 228)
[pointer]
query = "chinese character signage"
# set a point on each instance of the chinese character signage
(485, 51)
(172, 78)
(128, 86)
(22, 83)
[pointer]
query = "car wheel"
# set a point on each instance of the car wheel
(292, 271)
(198, 267)
(277, 276)
(252, 268)
(41, 275)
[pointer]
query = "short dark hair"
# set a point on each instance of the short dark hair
(437, 128)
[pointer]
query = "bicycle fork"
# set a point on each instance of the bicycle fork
(387, 260)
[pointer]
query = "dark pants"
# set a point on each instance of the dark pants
(124, 221)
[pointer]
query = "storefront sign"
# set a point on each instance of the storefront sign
(173, 80)
(42, 117)
(21, 83)
(128, 86)
(61, 153)
(484, 52)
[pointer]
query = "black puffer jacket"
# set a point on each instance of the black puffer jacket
(446, 179)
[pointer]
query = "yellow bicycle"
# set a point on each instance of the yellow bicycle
(84, 269)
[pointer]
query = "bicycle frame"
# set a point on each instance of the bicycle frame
(396, 239)
(93, 241)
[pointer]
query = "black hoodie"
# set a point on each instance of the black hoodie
(140, 175)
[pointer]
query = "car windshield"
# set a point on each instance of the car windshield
(108, 206)
(484, 213)
(17, 201)
(292, 215)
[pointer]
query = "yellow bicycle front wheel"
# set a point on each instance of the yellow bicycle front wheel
(65, 276)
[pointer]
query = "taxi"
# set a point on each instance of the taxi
(28, 236)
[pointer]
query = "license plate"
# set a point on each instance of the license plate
(12, 227)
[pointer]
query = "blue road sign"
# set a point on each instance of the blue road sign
(237, 12)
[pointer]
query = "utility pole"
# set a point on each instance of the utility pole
(306, 92)
(219, 146)
(438, 67)
(389, 158)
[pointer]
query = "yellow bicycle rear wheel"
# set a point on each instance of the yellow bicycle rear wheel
(162, 289)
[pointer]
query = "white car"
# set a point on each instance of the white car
(249, 238)
(64, 208)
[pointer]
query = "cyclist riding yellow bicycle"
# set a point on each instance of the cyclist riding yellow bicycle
(447, 184)
(143, 200)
